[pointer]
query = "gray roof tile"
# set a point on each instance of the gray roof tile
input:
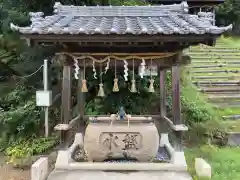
(164, 19)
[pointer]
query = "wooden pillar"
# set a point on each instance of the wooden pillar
(162, 75)
(176, 104)
(66, 99)
(80, 100)
(162, 125)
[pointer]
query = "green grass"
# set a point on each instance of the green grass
(232, 42)
(233, 126)
(231, 111)
(225, 162)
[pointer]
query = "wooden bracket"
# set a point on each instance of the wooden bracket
(176, 127)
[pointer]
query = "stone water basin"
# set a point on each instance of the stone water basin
(131, 140)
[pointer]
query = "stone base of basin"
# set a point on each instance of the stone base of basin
(93, 175)
(100, 166)
(121, 140)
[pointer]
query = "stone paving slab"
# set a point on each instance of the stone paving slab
(94, 175)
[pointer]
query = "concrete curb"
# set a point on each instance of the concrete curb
(39, 169)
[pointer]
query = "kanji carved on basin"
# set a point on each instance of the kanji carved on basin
(138, 141)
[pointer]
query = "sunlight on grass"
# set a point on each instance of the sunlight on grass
(233, 42)
(225, 162)
(233, 126)
(231, 111)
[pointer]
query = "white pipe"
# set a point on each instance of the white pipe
(45, 84)
(114, 117)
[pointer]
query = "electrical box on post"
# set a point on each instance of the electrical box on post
(44, 98)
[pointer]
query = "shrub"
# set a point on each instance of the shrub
(204, 120)
(25, 148)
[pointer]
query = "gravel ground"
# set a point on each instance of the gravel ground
(7, 172)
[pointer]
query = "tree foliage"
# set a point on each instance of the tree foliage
(229, 13)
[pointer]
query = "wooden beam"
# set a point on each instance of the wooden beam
(121, 38)
(66, 93)
(66, 100)
(66, 127)
(119, 54)
(125, 49)
(178, 127)
(176, 104)
(154, 117)
(165, 62)
(80, 97)
(162, 77)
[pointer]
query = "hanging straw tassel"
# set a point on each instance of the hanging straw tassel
(115, 85)
(84, 85)
(101, 91)
(133, 85)
(84, 81)
(151, 86)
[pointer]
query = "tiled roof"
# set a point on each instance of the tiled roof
(163, 19)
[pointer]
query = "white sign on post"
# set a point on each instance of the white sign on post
(44, 98)
(149, 70)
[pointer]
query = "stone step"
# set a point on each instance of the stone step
(215, 71)
(220, 43)
(232, 117)
(215, 66)
(207, 66)
(207, 61)
(218, 83)
(213, 48)
(227, 104)
(212, 56)
(217, 77)
(215, 89)
(233, 138)
(217, 97)
(204, 50)
(220, 93)
(215, 54)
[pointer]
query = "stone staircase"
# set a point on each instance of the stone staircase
(216, 73)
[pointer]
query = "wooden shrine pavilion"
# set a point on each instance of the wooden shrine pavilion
(124, 36)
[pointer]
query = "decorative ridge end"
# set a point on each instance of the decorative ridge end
(206, 14)
(56, 7)
(36, 14)
(14, 27)
(185, 6)
(229, 27)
